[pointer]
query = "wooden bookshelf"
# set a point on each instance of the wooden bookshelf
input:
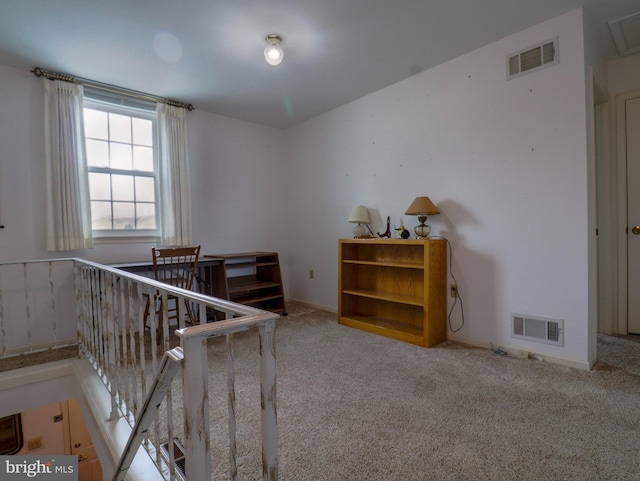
(394, 288)
(250, 278)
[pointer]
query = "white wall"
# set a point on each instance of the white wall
(595, 78)
(39, 423)
(624, 74)
(238, 181)
(21, 166)
(505, 161)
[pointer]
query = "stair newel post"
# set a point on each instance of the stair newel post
(196, 407)
(268, 401)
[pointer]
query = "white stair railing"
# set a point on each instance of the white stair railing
(108, 310)
(37, 312)
(106, 328)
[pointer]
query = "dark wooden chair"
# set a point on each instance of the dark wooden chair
(177, 267)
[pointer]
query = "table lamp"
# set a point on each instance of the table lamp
(360, 216)
(422, 207)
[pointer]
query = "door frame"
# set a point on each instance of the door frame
(604, 175)
(623, 256)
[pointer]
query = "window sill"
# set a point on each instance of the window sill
(101, 240)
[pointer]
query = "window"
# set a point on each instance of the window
(10, 434)
(122, 162)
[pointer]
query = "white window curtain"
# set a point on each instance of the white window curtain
(68, 204)
(175, 186)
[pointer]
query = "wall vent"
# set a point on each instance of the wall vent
(538, 329)
(533, 58)
(626, 33)
(178, 457)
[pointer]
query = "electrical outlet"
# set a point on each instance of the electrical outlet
(35, 443)
(454, 290)
(310, 273)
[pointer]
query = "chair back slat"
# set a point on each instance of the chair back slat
(176, 266)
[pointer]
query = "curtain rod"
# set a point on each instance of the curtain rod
(39, 72)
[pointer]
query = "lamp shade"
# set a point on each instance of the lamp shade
(422, 205)
(360, 215)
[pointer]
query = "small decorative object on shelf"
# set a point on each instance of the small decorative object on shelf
(422, 207)
(402, 232)
(386, 233)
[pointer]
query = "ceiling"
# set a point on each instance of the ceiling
(209, 52)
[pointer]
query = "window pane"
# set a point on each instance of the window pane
(142, 132)
(143, 158)
(100, 186)
(95, 124)
(123, 187)
(101, 215)
(97, 153)
(123, 176)
(145, 189)
(121, 156)
(146, 216)
(120, 128)
(124, 217)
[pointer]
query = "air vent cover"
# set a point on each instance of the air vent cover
(178, 457)
(538, 329)
(626, 33)
(533, 58)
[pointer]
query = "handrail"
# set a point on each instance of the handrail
(221, 304)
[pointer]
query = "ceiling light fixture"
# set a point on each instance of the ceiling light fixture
(273, 52)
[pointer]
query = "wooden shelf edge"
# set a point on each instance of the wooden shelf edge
(249, 265)
(385, 296)
(251, 286)
(384, 264)
(399, 335)
(251, 300)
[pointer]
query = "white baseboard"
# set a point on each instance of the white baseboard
(313, 306)
(518, 352)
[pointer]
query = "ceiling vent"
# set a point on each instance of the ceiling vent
(533, 58)
(626, 33)
(538, 329)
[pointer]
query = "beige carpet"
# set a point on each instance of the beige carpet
(355, 406)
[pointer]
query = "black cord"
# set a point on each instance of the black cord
(458, 297)
(370, 231)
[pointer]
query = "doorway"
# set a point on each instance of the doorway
(59, 428)
(80, 444)
(628, 107)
